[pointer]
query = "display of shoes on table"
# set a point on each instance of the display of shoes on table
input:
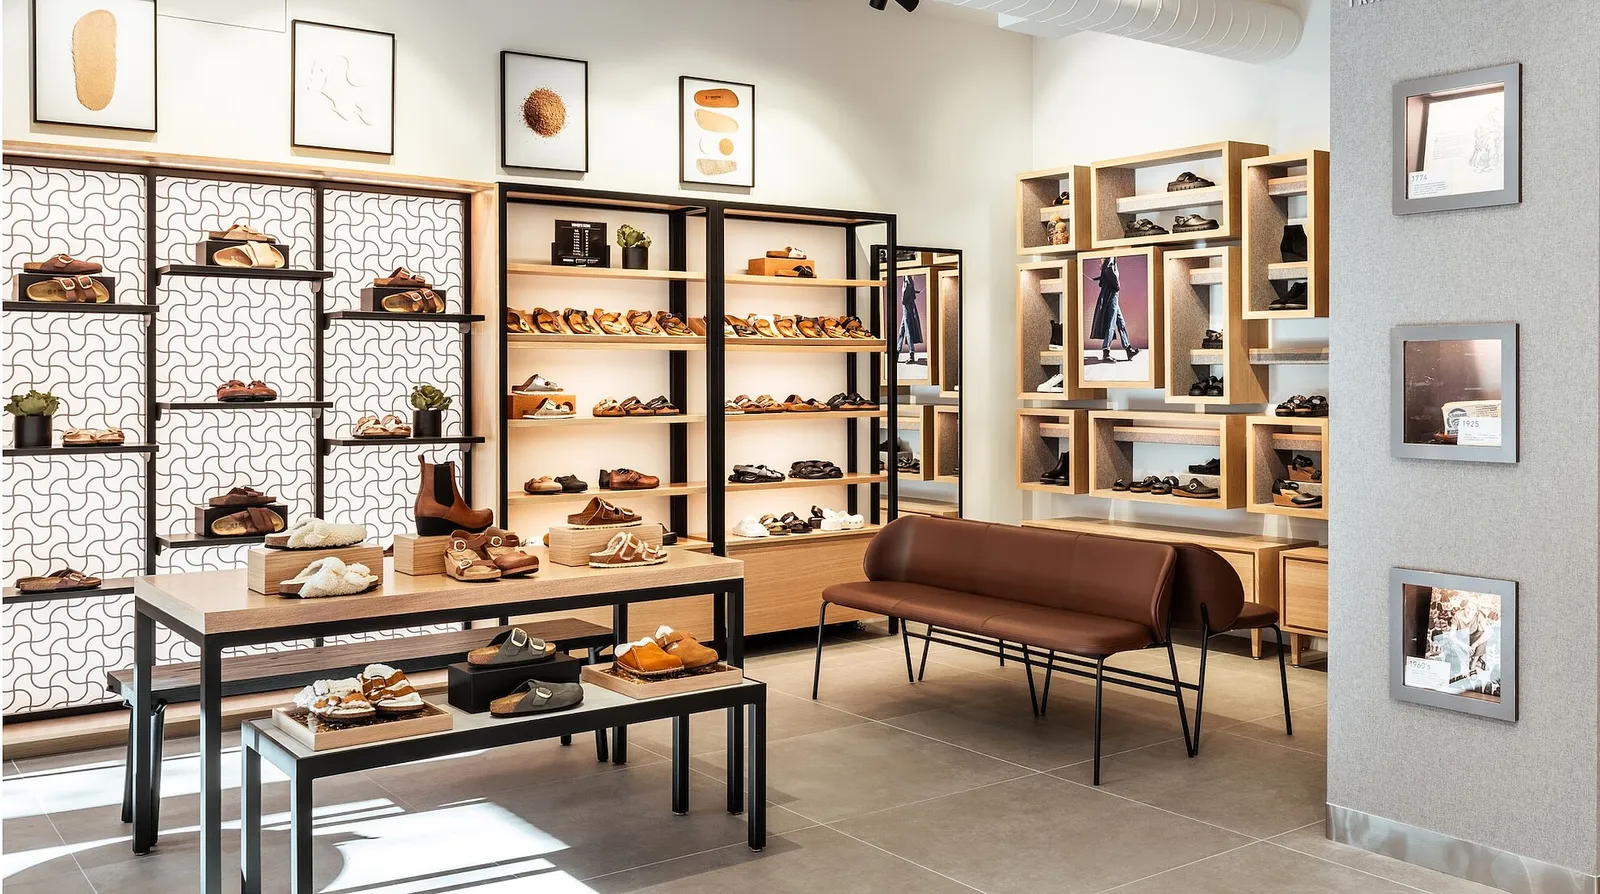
(340, 701)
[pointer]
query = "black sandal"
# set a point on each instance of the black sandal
(1315, 405)
(1290, 406)
(1143, 486)
(1189, 180)
(1119, 485)
(1212, 341)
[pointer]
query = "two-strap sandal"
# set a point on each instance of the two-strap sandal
(336, 701)
(1142, 226)
(739, 327)
(374, 428)
(403, 278)
(1192, 223)
(69, 290)
(387, 690)
(254, 254)
(330, 576)
(551, 408)
(746, 474)
(794, 403)
(627, 551)
(512, 648)
(537, 697)
(62, 265)
(466, 559)
(248, 522)
(536, 384)
(603, 514)
(89, 437)
(415, 301)
(314, 533)
(255, 391)
(62, 581)
(643, 322)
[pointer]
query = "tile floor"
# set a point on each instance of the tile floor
(947, 785)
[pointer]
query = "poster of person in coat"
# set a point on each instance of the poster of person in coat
(911, 341)
(1116, 318)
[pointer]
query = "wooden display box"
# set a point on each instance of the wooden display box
(320, 736)
(417, 555)
(1043, 437)
(268, 568)
(519, 405)
(205, 251)
(1202, 292)
(205, 515)
(1114, 435)
(1036, 205)
(573, 546)
(604, 676)
(372, 296)
(22, 279)
(946, 444)
(1280, 190)
(949, 332)
(917, 419)
(1121, 195)
(471, 689)
(1047, 291)
(1272, 442)
(1303, 597)
(774, 266)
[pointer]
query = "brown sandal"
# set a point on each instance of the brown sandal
(518, 322)
(832, 328)
(243, 496)
(578, 322)
(254, 520)
(741, 329)
(69, 290)
(643, 323)
(545, 322)
(63, 265)
(808, 327)
(785, 327)
(611, 323)
(240, 231)
(671, 324)
(798, 404)
(416, 301)
(607, 408)
(402, 278)
(635, 407)
(58, 582)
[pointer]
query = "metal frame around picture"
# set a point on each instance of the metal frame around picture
(1504, 709)
(1418, 93)
(1506, 334)
(33, 76)
(505, 161)
(682, 146)
(294, 138)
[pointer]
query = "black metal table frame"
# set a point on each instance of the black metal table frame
(305, 770)
(728, 639)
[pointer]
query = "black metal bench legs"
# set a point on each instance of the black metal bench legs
(1206, 633)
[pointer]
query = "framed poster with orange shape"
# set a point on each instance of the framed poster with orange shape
(716, 132)
(94, 63)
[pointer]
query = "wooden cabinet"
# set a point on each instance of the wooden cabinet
(1303, 597)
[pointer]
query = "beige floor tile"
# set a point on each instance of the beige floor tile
(878, 689)
(1227, 874)
(1311, 840)
(787, 716)
(74, 882)
(1310, 730)
(479, 774)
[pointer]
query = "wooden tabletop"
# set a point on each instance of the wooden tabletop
(222, 602)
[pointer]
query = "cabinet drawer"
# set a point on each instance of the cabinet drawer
(1244, 564)
(1305, 595)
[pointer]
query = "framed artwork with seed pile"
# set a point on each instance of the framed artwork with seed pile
(544, 112)
(94, 63)
(716, 132)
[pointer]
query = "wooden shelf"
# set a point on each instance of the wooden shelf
(1265, 356)
(114, 586)
(1286, 271)
(615, 496)
(1043, 437)
(1050, 286)
(1172, 201)
(529, 269)
(1303, 443)
(82, 449)
(1055, 430)
(1114, 435)
(1192, 310)
(560, 421)
(1037, 192)
(1267, 436)
(803, 345)
(825, 414)
(935, 508)
(1049, 211)
(791, 483)
(1269, 182)
(1282, 187)
(1148, 434)
(737, 543)
(28, 307)
(744, 279)
(608, 342)
(287, 274)
(1208, 276)
(378, 316)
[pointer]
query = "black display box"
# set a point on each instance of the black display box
(25, 278)
(205, 515)
(205, 252)
(471, 689)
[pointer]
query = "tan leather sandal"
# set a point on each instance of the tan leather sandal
(241, 231)
(466, 560)
(254, 520)
(545, 322)
(402, 278)
(643, 323)
(69, 290)
(250, 254)
(611, 323)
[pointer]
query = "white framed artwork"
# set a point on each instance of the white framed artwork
(716, 132)
(544, 112)
(342, 89)
(94, 63)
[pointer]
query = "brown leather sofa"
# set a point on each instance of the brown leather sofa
(1079, 598)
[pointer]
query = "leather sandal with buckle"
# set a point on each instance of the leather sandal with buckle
(512, 648)
(465, 558)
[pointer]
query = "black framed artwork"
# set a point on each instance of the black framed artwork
(716, 132)
(342, 88)
(100, 59)
(544, 112)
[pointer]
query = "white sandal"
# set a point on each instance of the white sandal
(314, 533)
(536, 384)
(388, 690)
(329, 577)
(339, 700)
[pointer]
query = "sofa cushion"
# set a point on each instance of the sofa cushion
(1067, 631)
(920, 602)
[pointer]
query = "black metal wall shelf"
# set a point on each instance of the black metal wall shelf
(83, 449)
(378, 316)
(29, 307)
(199, 541)
(115, 586)
(175, 406)
(286, 274)
(329, 443)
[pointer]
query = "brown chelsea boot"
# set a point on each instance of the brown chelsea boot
(439, 507)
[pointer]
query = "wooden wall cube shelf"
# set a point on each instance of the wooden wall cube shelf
(949, 285)
(1280, 190)
(1202, 292)
(946, 444)
(1043, 436)
(1113, 435)
(917, 420)
(266, 568)
(1047, 292)
(1036, 205)
(1303, 596)
(1272, 442)
(1118, 198)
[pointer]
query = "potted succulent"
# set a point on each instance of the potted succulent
(34, 414)
(635, 247)
(429, 404)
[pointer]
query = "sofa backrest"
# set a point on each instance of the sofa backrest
(1204, 578)
(1108, 576)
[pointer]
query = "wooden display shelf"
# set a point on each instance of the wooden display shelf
(946, 445)
(533, 269)
(931, 508)
(1193, 309)
(608, 342)
(745, 279)
(615, 496)
(1037, 192)
(824, 414)
(28, 307)
(739, 544)
(379, 316)
(1043, 436)
(848, 480)
(111, 586)
(286, 274)
(558, 421)
(1303, 597)
(808, 345)
(1047, 293)
(913, 418)
(1114, 434)
(1266, 356)
(83, 449)
(1281, 191)
(1052, 285)
(1270, 443)
(1117, 199)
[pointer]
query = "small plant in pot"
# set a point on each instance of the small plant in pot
(635, 248)
(429, 404)
(35, 412)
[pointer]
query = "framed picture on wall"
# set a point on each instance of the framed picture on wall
(1118, 343)
(917, 304)
(1454, 642)
(544, 112)
(342, 93)
(94, 63)
(1453, 392)
(716, 132)
(1458, 141)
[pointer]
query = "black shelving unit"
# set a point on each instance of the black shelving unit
(379, 316)
(42, 307)
(198, 541)
(329, 443)
(281, 274)
(176, 406)
(82, 449)
(115, 586)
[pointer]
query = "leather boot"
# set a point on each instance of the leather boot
(439, 507)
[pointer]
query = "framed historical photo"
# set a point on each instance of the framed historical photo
(917, 308)
(1453, 642)
(1117, 343)
(1453, 392)
(544, 112)
(716, 132)
(342, 91)
(94, 63)
(1458, 141)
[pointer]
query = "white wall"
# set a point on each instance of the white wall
(1098, 97)
(921, 115)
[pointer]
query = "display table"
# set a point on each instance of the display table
(216, 610)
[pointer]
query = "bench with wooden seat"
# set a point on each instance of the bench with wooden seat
(272, 671)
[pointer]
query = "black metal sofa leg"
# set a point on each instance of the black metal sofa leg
(1027, 663)
(1044, 698)
(1283, 677)
(816, 672)
(927, 640)
(1099, 688)
(905, 640)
